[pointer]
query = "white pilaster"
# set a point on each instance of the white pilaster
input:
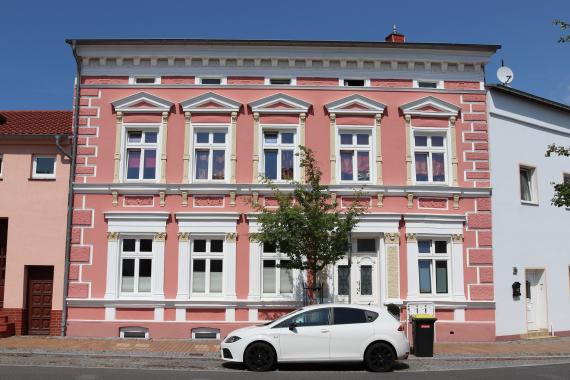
(180, 314)
(252, 315)
(254, 271)
(158, 265)
(459, 315)
(413, 274)
(230, 266)
(111, 287)
(230, 314)
(159, 314)
(110, 313)
(457, 264)
(183, 292)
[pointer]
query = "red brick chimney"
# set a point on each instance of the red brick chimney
(395, 36)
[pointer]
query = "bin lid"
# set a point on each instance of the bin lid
(424, 316)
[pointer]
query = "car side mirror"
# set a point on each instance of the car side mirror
(292, 326)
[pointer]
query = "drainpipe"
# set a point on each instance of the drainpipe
(60, 148)
(71, 181)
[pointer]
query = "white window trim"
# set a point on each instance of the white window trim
(416, 84)
(136, 255)
(207, 256)
(136, 329)
(446, 150)
(295, 128)
(533, 185)
(277, 257)
(207, 127)
(126, 128)
(44, 176)
(267, 81)
(223, 80)
(433, 257)
(366, 82)
(354, 129)
(133, 80)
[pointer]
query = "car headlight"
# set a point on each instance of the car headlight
(232, 339)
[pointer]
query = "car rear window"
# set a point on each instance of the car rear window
(347, 315)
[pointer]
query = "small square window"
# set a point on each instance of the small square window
(426, 84)
(135, 137)
(424, 246)
(270, 137)
(362, 139)
(150, 137)
(366, 245)
(129, 245)
(269, 248)
(437, 141)
(199, 245)
(202, 137)
(216, 246)
(287, 138)
(280, 81)
(219, 138)
(146, 80)
(440, 246)
(146, 245)
(345, 139)
(420, 140)
(43, 167)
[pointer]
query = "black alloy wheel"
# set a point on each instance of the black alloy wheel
(380, 357)
(259, 357)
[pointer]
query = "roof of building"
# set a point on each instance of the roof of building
(528, 96)
(32, 123)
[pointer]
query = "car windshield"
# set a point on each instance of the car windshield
(284, 316)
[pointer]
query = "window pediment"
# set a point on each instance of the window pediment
(280, 103)
(143, 103)
(430, 107)
(355, 105)
(210, 103)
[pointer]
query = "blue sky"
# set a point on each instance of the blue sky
(37, 68)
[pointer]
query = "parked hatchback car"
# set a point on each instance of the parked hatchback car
(321, 333)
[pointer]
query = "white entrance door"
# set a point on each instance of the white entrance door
(535, 300)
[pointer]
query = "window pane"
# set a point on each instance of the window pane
(343, 279)
(219, 138)
(128, 276)
(146, 245)
(129, 245)
(362, 139)
(366, 245)
(145, 272)
(441, 276)
(281, 81)
(346, 166)
(354, 82)
(363, 166)
(219, 164)
(202, 137)
(287, 138)
(271, 164)
(437, 141)
(199, 276)
(270, 137)
(366, 280)
(133, 163)
(525, 185)
(267, 247)
(150, 137)
(319, 317)
(346, 139)
(134, 137)
(438, 168)
(202, 157)
(427, 84)
(346, 315)
(149, 164)
(45, 165)
(216, 276)
(287, 164)
(440, 246)
(425, 275)
(211, 81)
(199, 245)
(285, 279)
(269, 276)
(424, 246)
(216, 245)
(421, 167)
(420, 140)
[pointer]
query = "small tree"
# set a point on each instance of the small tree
(561, 190)
(307, 226)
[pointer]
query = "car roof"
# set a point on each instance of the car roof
(354, 306)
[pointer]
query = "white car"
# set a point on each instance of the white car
(320, 333)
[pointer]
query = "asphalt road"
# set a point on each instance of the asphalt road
(549, 372)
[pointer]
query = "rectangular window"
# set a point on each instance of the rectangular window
(136, 265)
(430, 153)
(343, 279)
(354, 82)
(527, 184)
(144, 80)
(43, 167)
(210, 155)
(280, 81)
(433, 266)
(279, 155)
(142, 146)
(355, 156)
(276, 278)
(211, 81)
(207, 266)
(433, 84)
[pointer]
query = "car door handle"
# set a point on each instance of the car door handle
(325, 331)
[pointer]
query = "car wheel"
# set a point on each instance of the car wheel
(259, 357)
(379, 357)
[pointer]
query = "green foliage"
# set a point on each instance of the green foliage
(563, 26)
(561, 190)
(307, 226)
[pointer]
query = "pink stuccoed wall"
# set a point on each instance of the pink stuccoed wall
(36, 212)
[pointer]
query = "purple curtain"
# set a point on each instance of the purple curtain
(346, 166)
(421, 167)
(363, 163)
(438, 163)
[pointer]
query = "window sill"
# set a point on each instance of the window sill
(529, 203)
(42, 179)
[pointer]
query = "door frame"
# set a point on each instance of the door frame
(546, 317)
(48, 272)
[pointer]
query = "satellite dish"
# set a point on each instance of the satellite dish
(505, 75)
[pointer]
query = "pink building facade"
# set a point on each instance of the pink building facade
(174, 135)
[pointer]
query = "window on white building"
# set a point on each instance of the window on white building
(355, 153)
(433, 266)
(141, 154)
(207, 266)
(43, 167)
(136, 265)
(276, 278)
(430, 158)
(279, 154)
(528, 184)
(210, 155)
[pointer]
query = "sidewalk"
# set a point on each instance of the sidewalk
(210, 348)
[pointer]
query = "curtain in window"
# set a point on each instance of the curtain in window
(525, 185)
(133, 164)
(346, 166)
(199, 276)
(216, 276)
(202, 164)
(218, 164)
(421, 166)
(128, 276)
(149, 171)
(145, 273)
(363, 163)
(286, 164)
(438, 168)
(268, 276)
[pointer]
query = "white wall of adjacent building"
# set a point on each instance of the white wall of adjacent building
(530, 235)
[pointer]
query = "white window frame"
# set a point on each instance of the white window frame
(210, 146)
(41, 175)
(533, 185)
(366, 82)
(277, 257)
(434, 257)
(280, 128)
(207, 256)
(134, 329)
(133, 80)
(438, 84)
(137, 256)
(371, 148)
(142, 127)
(430, 150)
(223, 80)
(267, 81)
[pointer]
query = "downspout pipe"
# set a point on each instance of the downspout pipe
(70, 197)
(60, 148)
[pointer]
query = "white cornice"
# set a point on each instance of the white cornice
(268, 105)
(441, 108)
(155, 104)
(195, 105)
(138, 216)
(342, 106)
(207, 216)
